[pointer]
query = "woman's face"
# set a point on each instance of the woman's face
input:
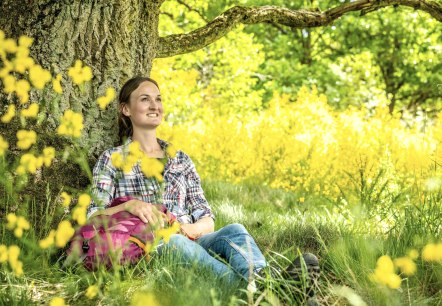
(145, 108)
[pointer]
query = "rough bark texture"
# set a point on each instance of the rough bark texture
(184, 43)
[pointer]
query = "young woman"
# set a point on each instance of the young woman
(140, 113)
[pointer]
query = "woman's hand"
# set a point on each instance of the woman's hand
(147, 212)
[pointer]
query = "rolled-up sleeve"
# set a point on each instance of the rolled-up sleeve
(103, 185)
(195, 200)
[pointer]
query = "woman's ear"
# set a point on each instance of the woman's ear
(124, 109)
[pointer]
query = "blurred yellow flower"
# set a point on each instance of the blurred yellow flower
(3, 253)
(16, 265)
(26, 139)
(28, 163)
(301, 200)
(48, 241)
(31, 111)
(92, 291)
(12, 221)
(152, 167)
(25, 41)
(66, 199)
(57, 301)
(71, 124)
(3, 146)
(56, 84)
(385, 274)
(432, 252)
(65, 231)
(84, 200)
(171, 151)
(9, 45)
(10, 113)
(22, 88)
(117, 160)
(18, 224)
(106, 99)
(39, 76)
(79, 215)
(165, 233)
(80, 74)
(406, 265)
(413, 254)
(144, 299)
(9, 83)
(48, 156)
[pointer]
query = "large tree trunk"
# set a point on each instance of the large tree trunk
(117, 38)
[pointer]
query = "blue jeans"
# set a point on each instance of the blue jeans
(229, 252)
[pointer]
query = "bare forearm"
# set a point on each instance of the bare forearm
(111, 210)
(201, 227)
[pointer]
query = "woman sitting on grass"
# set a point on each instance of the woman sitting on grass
(140, 113)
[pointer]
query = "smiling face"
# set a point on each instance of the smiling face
(144, 107)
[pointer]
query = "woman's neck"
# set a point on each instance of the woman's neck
(148, 142)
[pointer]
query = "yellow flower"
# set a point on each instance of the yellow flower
(22, 61)
(25, 41)
(106, 99)
(385, 274)
(6, 69)
(28, 163)
(26, 139)
(64, 232)
(152, 167)
(117, 160)
(71, 124)
(3, 253)
(413, 254)
(171, 151)
(80, 74)
(165, 233)
(91, 291)
(9, 45)
(144, 299)
(3, 146)
(10, 113)
(39, 76)
(406, 264)
(301, 200)
(9, 84)
(22, 88)
(66, 198)
(16, 265)
(23, 223)
(12, 221)
(48, 241)
(84, 200)
(31, 111)
(57, 301)
(48, 155)
(432, 252)
(79, 215)
(56, 84)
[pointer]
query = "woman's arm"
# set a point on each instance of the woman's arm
(195, 230)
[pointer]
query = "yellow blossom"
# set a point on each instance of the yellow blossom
(80, 74)
(48, 156)
(385, 273)
(16, 265)
(71, 124)
(22, 88)
(39, 76)
(3, 253)
(31, 111)
(91, 291)
(79, 215)
(432, 252)
(301, 200)
(171, 151)
(48, 241)
(413, 254)
(152, 167)
(106, 99)
(18, 224)
(56, 84)
(26, 139)
(9, 45)
(9, 83)
(12, 221)
(28, 163)
(57, 301)
(65, 231)
(165, 233)
(3, 146)
(25, 41)
(66, 198)
(10, 113)
(84, 200)
(22, 61)
(406, 265)
(117, 160)
(6, 69)
(143, 299)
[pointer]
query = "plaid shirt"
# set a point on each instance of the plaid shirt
(183, 195)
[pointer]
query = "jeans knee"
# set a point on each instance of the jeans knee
(234, 228)
(178, 241)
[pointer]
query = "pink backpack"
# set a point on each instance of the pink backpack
(108, 240)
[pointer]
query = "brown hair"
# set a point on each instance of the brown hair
(124, 124)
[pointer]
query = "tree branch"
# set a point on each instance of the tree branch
(303, 18)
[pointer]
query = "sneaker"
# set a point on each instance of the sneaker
(304, 270)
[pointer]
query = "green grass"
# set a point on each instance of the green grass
(347, 247)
